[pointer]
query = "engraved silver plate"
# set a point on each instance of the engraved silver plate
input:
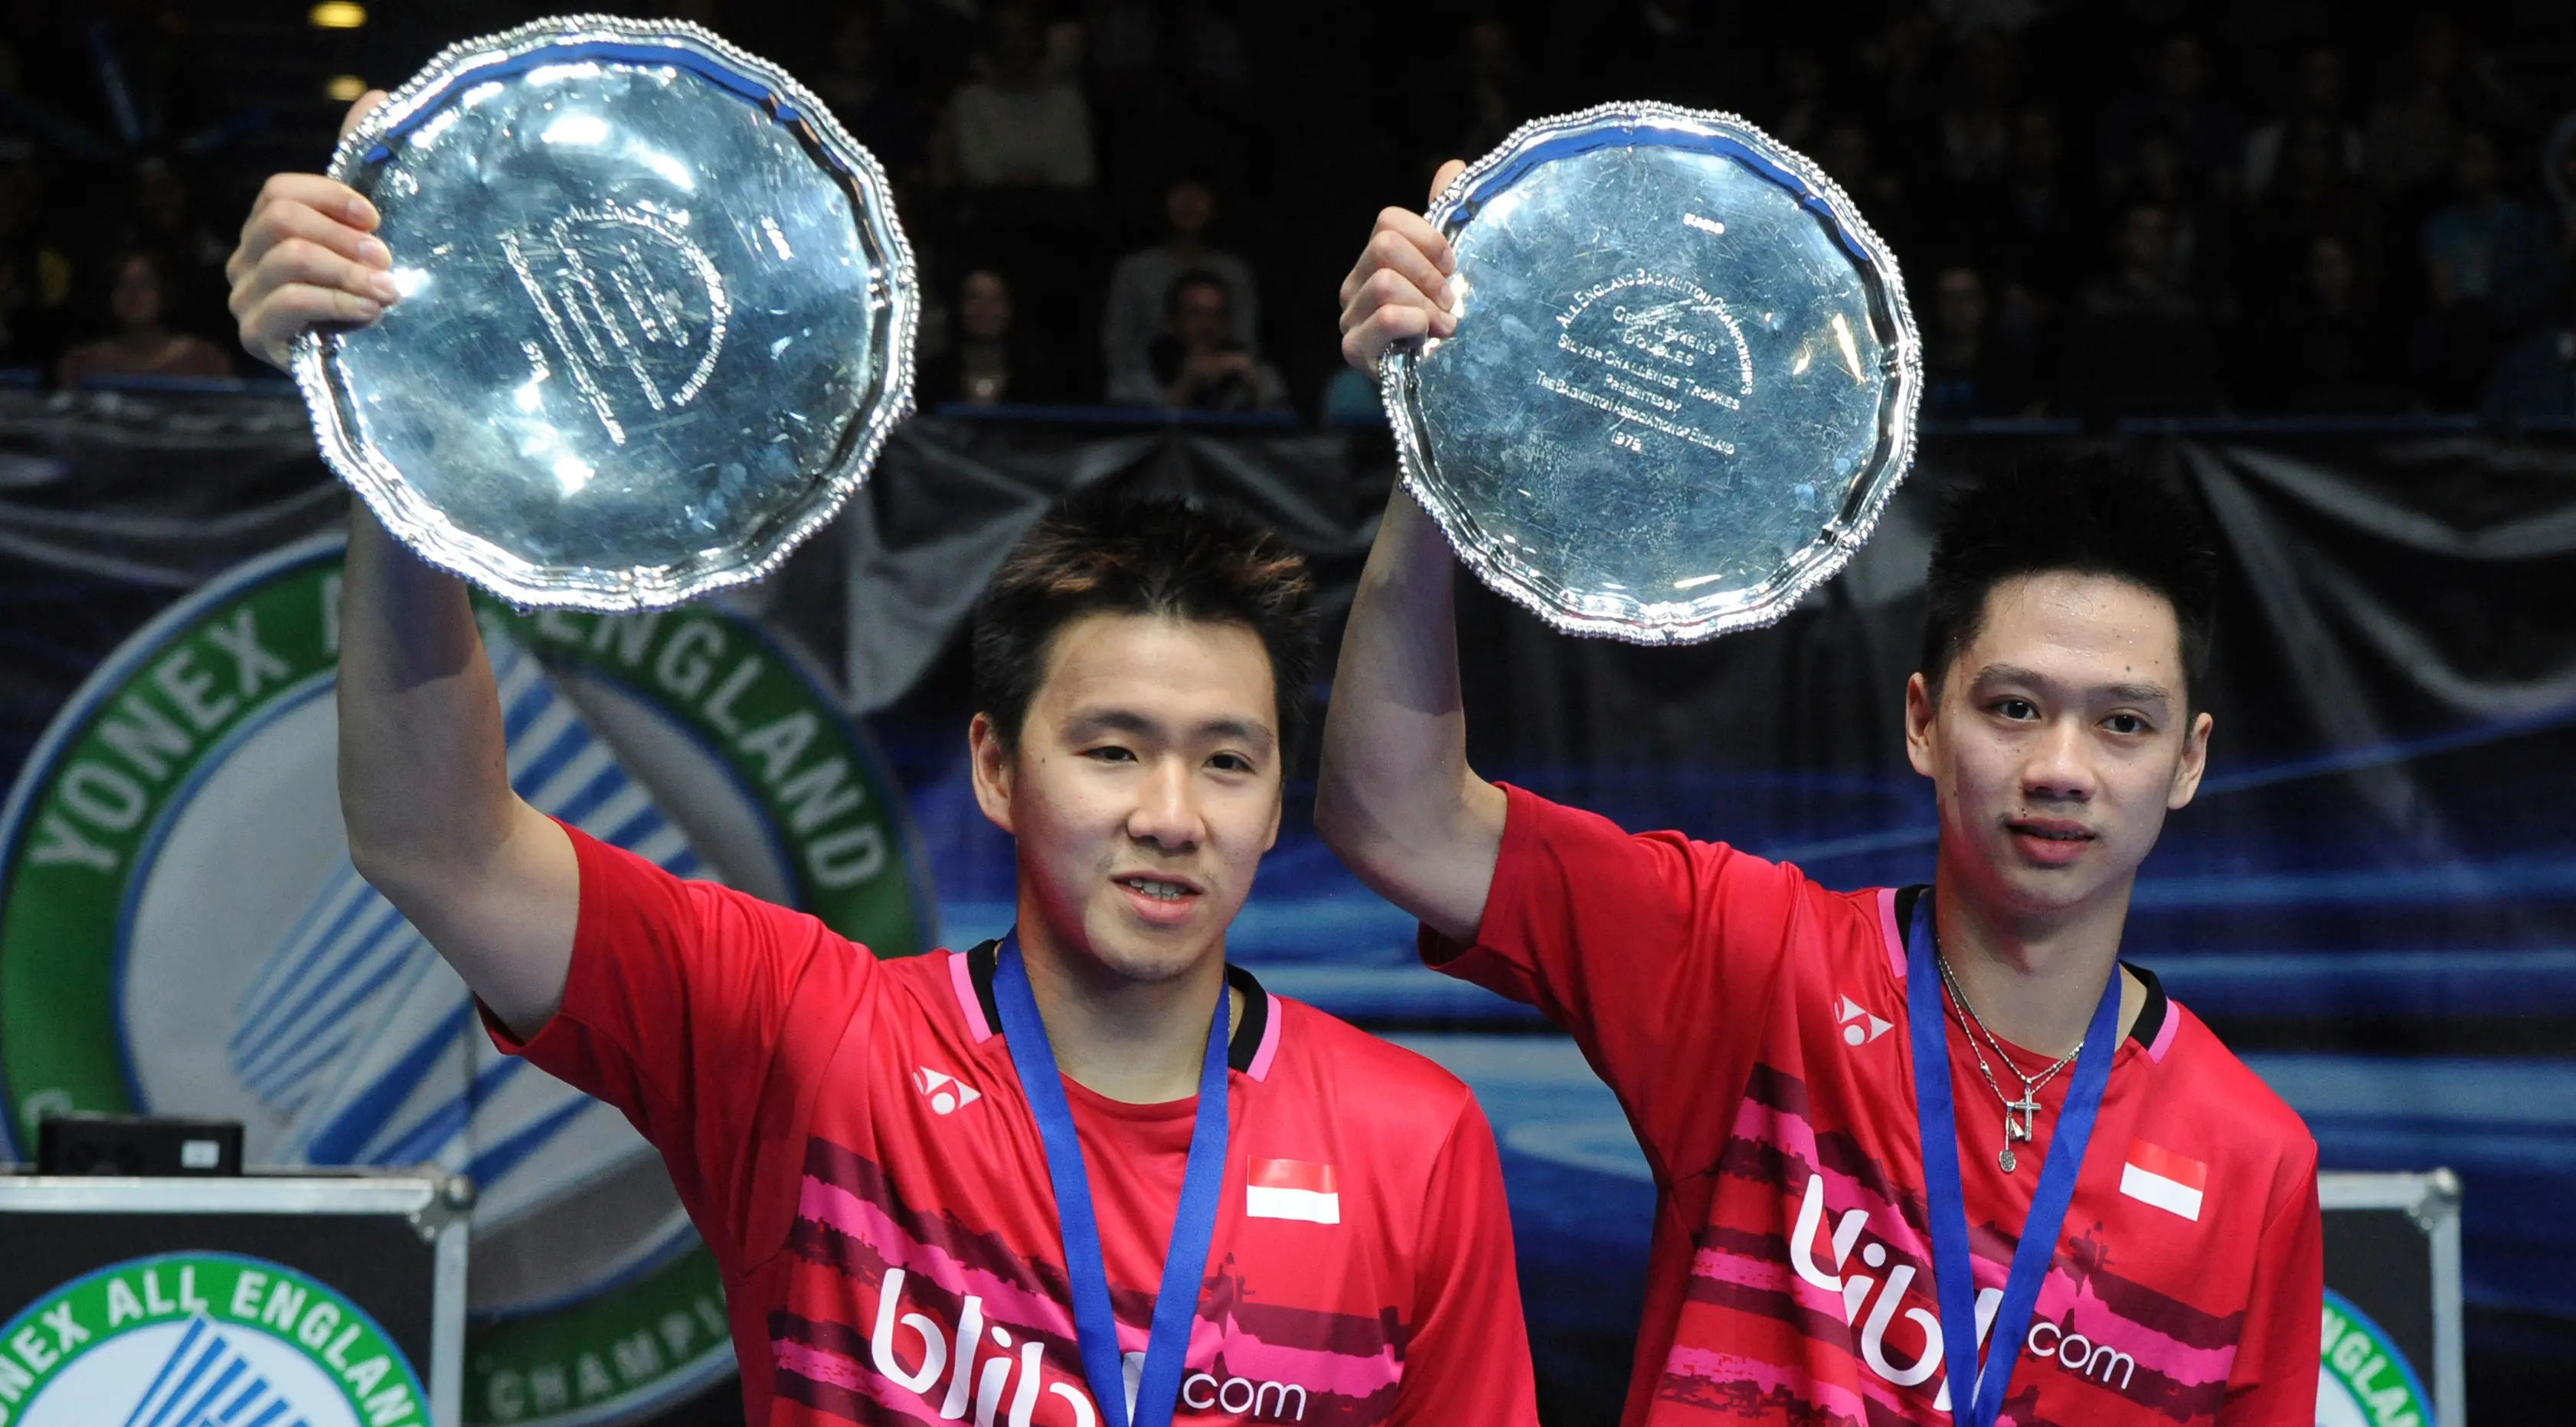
(1683, 381)
(658, 315)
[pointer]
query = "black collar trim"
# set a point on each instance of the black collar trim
(1239, 1051)
(2151, 1017)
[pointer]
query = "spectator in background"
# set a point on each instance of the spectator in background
(1208, 60)
(2030, 227)
(2485, 246)
(2312, 192)
(890, 118)
(1847, 157)
(1899, 72)
(1197, 364)
(2558, 175)
(2179, 101)
(1976, 120)
(2140, 344)
(2491, 265)
(2316, 98)
(35, 276)
(1799, 114)
(2159, 172)
(17, 349)
(1491, 87)
(992, 361)
(142, 343)
(2413, 130)
(165, 222)
(2327, 347)
(1018, 126)
(1970, 370)
(1472, 101)
(2536, 377)
(1140, 287)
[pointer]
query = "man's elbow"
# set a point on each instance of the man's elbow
(386, 865)
(1350, 828)
(1334, 822)
(411, 859)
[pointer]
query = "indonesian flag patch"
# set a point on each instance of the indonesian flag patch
(1292, 1189)
(2156, 1175)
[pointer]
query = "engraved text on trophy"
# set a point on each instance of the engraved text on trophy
(1661, 354)
(634, 313)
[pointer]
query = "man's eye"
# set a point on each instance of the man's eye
(2017, 708)
(2125, 724)
(1111, 754)
(1231, 763)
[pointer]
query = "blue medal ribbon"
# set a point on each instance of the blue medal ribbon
(1176, 1307)
(1977, 1397)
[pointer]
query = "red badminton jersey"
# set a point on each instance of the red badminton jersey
(852, 1141)
(1753, 1025)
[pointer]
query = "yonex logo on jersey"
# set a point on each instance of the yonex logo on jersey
(947, 1093)
(1859, 1026)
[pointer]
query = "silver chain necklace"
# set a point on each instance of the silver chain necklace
(2028, 1105)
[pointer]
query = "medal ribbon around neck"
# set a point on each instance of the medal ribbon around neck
(1977, 1397)
(1176, 1306)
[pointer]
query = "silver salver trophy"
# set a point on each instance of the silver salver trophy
(657, 316)
(1683, 381)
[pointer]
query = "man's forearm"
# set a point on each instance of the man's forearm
(1396, 798)
(424, 778)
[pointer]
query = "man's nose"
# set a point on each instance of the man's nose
(2060, 763)
(1166, 812)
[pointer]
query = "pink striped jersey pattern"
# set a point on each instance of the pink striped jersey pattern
(1753, 1024)
(889, 1240)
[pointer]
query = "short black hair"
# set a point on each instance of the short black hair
(2090, 514)
(1113, 553)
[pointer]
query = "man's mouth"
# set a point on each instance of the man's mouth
(1160, 889)
(2050, 841)
(2052, 831)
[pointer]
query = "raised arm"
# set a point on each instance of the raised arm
(424, 783)
(1396, 799)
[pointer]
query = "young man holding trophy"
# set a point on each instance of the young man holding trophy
(951, 1184)
(1893, 1127)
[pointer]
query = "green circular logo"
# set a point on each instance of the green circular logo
(181, 932)
(195, 1337)
(2362, 1379)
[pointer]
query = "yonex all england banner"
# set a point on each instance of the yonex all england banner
(175, 1340)
(181, 932)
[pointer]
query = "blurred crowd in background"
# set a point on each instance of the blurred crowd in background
(2102, 209)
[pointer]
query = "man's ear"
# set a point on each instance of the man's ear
(991, 758)
(2195, 761)
(1920, 705)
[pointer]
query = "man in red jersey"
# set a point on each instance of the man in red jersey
(1084, 1177)
(1837, 1233)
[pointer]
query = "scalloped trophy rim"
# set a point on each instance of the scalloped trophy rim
(525, 583)
(1674, 622)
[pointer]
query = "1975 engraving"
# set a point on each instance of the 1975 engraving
(1658, 357)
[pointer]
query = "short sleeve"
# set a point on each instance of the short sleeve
(2274, 1377)
(1659, 955)
(676, 1012)
(1469, 1358)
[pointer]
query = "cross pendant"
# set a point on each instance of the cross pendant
(2026, 1107)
